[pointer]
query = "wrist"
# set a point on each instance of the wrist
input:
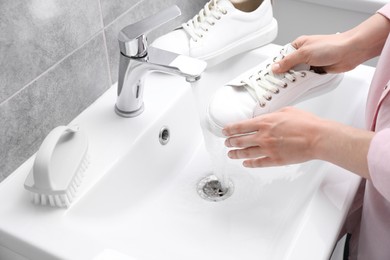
(321, 139)
(366, 40)
(344, 146)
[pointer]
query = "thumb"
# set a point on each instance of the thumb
(292, 59)
(287, 62)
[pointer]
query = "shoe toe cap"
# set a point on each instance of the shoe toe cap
(230, 105)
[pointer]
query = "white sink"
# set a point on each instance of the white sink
(139, 199)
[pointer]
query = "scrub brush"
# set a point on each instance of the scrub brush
(59, 166)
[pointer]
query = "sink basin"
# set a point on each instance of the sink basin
(139, 199)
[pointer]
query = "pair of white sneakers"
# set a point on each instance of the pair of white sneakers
(223, 29)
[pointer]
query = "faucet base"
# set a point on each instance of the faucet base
(129, 113)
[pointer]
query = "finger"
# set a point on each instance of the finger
(242, 128)
(260, 162)
(329, 69)
(250, 152)
(337, 68)
(288, 62)
(241, 141)
(292, 59)
(299, 42)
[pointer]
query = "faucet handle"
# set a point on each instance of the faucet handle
(132, 38)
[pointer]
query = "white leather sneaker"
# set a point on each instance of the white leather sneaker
(259, 91)
(221, 31)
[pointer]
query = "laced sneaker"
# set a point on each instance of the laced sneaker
(222, 30)
(259, 91)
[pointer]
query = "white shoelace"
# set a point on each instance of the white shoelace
(200, 24)
(264, 83)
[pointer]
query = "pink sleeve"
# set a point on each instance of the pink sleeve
(385, 11)
(379, 162)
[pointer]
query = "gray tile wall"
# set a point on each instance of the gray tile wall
(48, 50)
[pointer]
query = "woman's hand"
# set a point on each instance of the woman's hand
(332, 53)
(291, 136)
(336, 53)
(285, 137)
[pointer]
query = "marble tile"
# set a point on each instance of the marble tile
(140, 11)
(36, 34)
(112, 9)
(42, 87)
(53, 99)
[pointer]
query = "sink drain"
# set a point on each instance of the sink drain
(211, 188)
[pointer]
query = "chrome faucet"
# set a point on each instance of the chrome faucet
(137, 59)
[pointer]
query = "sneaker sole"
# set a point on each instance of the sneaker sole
(253, 41)
(330, 85)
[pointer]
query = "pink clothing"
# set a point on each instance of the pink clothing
(374, 238)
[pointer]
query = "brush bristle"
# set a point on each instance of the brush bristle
(65, 199)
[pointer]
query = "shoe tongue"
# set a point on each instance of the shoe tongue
(290, 49)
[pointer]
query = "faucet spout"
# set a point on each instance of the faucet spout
(137, 59)
(132, 72)
(176, 64)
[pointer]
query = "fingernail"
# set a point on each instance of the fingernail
(224, 132)
(230, 154)
(275, 67)
(227, 143)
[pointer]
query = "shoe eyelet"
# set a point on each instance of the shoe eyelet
(285, 85)
(268, 65)
(224, 12)
(303, 74)
(277, 91)
(294, 79)
(274, 59)
(262, 104)
(268, 98)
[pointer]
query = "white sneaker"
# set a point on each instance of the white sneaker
(221, 31)
(259, 91)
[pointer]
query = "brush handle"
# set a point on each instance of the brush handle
(41, 168)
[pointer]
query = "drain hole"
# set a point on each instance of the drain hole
(214, 188)
(164, 135)
(211, 188)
